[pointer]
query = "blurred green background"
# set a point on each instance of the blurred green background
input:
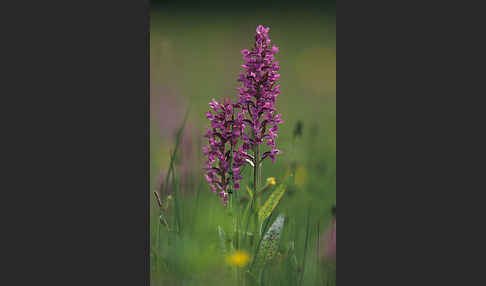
(194, 57)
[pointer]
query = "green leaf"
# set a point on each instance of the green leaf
(272, 202)
(269, 245)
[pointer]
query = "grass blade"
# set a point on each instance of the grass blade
(307, 232)
(222, 240)
(174, 153)
(171, 173)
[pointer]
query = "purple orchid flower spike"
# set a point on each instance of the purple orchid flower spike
(258, 93)
(224, 156)
(246, 125)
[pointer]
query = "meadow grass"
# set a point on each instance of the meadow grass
(197, 59)
(186, 248)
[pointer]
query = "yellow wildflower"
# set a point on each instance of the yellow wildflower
(270, 182)
(238, 258)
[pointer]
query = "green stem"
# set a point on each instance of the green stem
(256, 172)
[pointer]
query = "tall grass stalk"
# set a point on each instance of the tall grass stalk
(307, 233)
(171, 173)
